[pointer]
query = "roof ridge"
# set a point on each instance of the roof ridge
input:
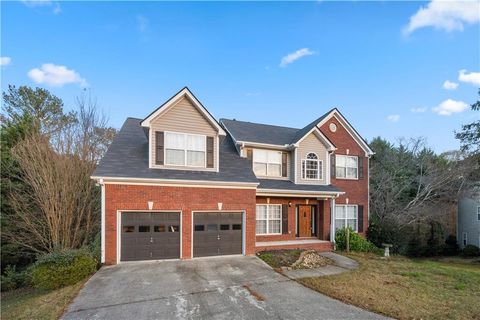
(262, 124)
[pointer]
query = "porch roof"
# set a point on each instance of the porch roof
(287, 186)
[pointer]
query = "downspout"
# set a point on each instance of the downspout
(332, 220)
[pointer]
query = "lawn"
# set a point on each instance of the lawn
(407, 289)
(34, 304)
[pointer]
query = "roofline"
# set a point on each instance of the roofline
(185, 91)
(297, 193)
(176, 182)
(331, 146)
(266, 145)
(357, 136)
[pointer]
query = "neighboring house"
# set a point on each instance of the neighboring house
(468, 226)
(179, 184)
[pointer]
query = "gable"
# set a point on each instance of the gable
(349, 136)
(311, 143)
(182, 116)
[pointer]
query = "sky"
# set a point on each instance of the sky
(394, 69)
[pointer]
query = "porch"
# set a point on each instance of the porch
(307, 244)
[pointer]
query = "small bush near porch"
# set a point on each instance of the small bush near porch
(403, 288)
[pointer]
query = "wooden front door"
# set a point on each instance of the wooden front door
(305, 221)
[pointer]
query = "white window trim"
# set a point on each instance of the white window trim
(346, 156)
(319, 166)
(184, 150)
(267, 163)
(346, 215)
(281, 215)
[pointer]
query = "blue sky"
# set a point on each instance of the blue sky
(375, 61)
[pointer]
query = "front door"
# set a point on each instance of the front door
(305, 221)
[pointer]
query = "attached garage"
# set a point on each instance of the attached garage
(217, 233)
(149, 236)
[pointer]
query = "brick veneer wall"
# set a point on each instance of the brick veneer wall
(355, 190)
(186, 199)
(323, 218)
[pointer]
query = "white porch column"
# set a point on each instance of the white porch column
(102, 235)
(332, 220)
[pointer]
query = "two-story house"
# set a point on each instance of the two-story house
(180, 184)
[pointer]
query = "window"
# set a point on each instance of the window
(144, 229)
(267, 163)
(346, 215)
(160, 228)
(464, 239)
(478, 213)
(311, 167)
(346, 167)
(185, 149)
(224, 227)
(269, 219)
(199, 227)
(173, 229)
(128, 229)
(236, 227)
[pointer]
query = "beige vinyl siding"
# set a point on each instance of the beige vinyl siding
(289, 166)
(183, 117)
(311, 144)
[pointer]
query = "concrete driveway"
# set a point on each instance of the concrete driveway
(208, 288)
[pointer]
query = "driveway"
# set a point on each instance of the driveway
(208, 288)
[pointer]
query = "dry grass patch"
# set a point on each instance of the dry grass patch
(30, 303)
(407, 289)
(280, 258)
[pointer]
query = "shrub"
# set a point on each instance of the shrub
(357, 243)
(471, 251)
(11, 279)
(450, 248)
(94, 248)
(63, 268)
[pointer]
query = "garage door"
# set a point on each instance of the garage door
(217, 233)
(150, 236)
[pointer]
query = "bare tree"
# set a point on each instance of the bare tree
(63, 210)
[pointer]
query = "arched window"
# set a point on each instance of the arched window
(311, 167)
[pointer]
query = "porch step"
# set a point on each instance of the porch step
(312, 244)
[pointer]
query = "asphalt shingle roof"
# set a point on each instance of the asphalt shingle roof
(127, 157)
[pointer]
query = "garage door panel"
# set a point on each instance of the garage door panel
(146, 235)
(217, 233)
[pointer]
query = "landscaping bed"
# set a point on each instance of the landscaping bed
(405, 288)
(293, 259)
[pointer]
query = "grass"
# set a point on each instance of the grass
(407, 288)
(280, 258)
(28, 303)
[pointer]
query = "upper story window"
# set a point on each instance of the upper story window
(267, 163)
(182, 149)
(346, 167)
(311, 167)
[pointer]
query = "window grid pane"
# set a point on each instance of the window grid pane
(268, 219)
(346, 216)
(267, 163)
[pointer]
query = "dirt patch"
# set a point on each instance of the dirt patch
(254, 293)
(280, 258)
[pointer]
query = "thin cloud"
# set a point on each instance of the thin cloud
(472, 77)
(57, 9)
(253, 94)
(5, 61)
(444, 15)
(43, 3)
(393, 117)
(142, 23)
(294, 56)
(418, 110)
(449, 107)
(449, 85)
(56, 75)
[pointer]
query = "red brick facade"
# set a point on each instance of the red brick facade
(184, 199)
(356, 191)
